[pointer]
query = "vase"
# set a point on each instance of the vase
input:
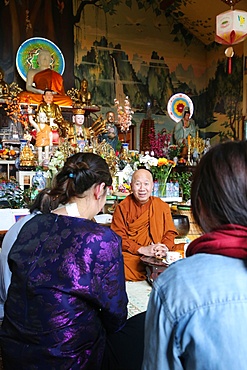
(38, 180)
(162, 189)
(23, 143)
(125, 147)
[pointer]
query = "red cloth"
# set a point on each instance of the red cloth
(229, 240)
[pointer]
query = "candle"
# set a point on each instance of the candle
(188, 140)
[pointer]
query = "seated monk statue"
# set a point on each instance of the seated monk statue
(4, 87)
(84, 96)
(42, 78)
(145, 225)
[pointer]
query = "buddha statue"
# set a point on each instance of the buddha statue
(43, 78)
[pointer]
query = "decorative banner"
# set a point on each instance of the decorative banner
(231, 27)
(27, 56)
(176, 105)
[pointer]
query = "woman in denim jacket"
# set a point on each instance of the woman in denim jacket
(197, 313)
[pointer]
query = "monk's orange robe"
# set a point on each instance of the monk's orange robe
(139, 226)
(47, 79)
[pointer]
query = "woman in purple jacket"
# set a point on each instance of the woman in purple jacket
(67, 291)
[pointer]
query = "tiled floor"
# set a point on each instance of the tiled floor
(138, 294)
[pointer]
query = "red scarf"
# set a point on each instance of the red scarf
(228, 240)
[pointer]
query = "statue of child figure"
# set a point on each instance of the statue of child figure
(43, 136)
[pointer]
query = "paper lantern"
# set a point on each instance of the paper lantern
(231, 27)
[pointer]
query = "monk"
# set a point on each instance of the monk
(43, 78)
(145, 225)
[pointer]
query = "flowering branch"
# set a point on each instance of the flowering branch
(124, 115)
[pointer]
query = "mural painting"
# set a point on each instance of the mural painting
(137, 53)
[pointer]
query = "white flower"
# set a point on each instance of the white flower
(56, 162)
(148, 161)
(127, 173)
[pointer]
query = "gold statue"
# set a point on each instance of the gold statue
(84, 96)
(27, 158)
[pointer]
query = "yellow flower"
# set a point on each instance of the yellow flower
(162, 162)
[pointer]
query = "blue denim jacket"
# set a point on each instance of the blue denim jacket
(197, 316)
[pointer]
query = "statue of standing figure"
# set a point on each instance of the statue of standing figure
(111, 134)
(43, 136)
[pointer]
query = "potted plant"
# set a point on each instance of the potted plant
(184, 179)
(13, 196)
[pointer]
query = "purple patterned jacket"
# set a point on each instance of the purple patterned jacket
(67, 292)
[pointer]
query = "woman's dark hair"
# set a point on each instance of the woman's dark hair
(219, 187)
(80, 172)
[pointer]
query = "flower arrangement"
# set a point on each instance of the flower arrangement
(124, 115)
(159, 143)
(14, 196)
(148, 161)
(124, 188)
(161, 172)
(174, 151)
(56, 162)
(161, 169)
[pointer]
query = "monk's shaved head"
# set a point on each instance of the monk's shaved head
(142, 172)
(142, 185)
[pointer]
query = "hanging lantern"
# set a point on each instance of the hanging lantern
(231, 28)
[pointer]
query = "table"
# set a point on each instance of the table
(154, 267)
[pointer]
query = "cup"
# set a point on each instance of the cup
(172, 256)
